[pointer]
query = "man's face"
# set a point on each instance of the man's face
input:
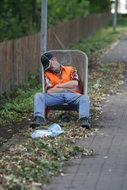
(54, 64)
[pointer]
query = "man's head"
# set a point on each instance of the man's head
(50, 62)
(45, 60)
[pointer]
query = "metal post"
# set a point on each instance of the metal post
(43, 45)
(115, 15)
(43, 35)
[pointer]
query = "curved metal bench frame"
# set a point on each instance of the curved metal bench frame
(75, 58)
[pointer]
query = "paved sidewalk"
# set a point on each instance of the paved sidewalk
(117, 52)
(107, 170)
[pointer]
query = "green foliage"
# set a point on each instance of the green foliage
(122, 21)
(15, 106)
(95, 42)
(66, 10)
(16, 18)
(31, 164)
(20, 18)
(97, 6)
(102, 39)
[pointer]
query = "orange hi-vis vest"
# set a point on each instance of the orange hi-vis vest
(66, 75)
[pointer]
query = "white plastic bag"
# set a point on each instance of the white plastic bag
(52, 131)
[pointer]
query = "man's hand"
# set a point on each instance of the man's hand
(70, 85)
(55, 89)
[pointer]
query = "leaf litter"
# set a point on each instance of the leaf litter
(31, 164)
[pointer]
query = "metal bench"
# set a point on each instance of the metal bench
(77, 59)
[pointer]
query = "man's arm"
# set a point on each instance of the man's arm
(70, 85)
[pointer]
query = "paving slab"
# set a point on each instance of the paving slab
(117, 52)
(107, 169)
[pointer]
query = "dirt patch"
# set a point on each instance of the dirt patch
(12, 134)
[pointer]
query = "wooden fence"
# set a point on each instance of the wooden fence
(20, 57)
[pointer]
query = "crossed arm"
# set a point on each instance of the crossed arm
(70, 85)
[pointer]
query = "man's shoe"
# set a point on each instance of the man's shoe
(38, 121)
(84, 122)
